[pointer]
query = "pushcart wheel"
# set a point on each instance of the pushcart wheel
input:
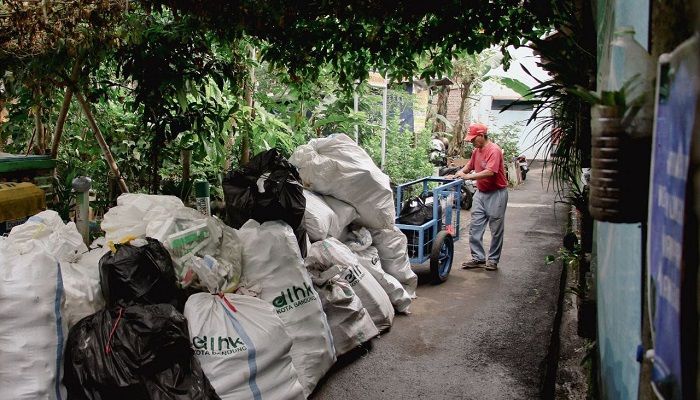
(441, 257)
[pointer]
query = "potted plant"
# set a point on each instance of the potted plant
(620, 157)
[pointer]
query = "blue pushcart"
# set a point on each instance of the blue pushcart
(433, 240)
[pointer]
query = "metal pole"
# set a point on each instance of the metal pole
(356, 98)
(81, 186)
(384, 101)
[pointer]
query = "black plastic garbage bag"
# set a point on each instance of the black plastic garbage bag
(415, 212)
(268, 188)
(139, 275)
(136, 352)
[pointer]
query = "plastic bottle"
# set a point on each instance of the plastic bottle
(631, 66)
(201, 194)
(629, 62)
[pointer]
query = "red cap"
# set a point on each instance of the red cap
(475, 130)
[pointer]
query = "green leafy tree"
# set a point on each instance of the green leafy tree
(355, 37)
(469, 71)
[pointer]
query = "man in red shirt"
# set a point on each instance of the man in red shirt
(486, 167)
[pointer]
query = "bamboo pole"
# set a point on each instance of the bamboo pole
(101, 140)
(250, 101)
(39, 128)
(31, 142)
(67, 97)
(384, 115)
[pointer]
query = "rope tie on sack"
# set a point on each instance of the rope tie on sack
(228, 303)
(108, 348)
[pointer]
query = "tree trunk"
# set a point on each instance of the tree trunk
(430, 111)
(31, 142)
(457, 142)
(58, 131)
(250, 101)
(101, 140)
(443, 97)
(67, 97)
(186, 159)
(39, 133)
(228, 163)
(156, 145)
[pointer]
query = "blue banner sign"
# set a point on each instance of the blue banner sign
(675, 119)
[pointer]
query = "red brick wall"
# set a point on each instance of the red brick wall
(453, 104)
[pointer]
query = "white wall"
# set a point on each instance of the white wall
(530, 135)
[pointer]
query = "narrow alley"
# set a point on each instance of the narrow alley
(481, 334)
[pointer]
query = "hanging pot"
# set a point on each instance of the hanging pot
(620, 158)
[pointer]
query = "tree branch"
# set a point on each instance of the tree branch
(67, 97)
(101, 140)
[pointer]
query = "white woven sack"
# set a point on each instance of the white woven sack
(332, 255)
(350, 322)
(338, 167)
(79, 268)
(62, 241)
(134, 212)
(32, 330)
(273, 267)
(392, 245)
(369, 258)
(318, 217)
(345, 215)
(357, 239)
(81, 282)
(242, 346)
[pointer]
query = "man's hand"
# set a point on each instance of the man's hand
(461, 175)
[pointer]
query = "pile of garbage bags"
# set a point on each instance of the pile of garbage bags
(175, 304)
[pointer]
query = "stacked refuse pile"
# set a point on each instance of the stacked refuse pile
(344, 174)
(175, 304)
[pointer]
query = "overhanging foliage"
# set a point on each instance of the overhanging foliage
(357, 36)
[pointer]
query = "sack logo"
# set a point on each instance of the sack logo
(217, 345)
(293, 297)
(353, 275)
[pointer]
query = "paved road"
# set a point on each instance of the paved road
(481, 334)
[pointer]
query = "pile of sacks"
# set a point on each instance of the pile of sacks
(347, 192)
(175, 304)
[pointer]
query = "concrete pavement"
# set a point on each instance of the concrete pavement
(481, 334)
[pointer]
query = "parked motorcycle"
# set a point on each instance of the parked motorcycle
(467, 190)
(438, 152)
(438, 157)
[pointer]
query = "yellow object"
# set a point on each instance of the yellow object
(125, 239)
(20, 200)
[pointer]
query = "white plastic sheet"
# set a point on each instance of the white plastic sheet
(273, 267)
(338, 167)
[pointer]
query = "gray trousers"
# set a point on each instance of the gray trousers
(488, 207)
